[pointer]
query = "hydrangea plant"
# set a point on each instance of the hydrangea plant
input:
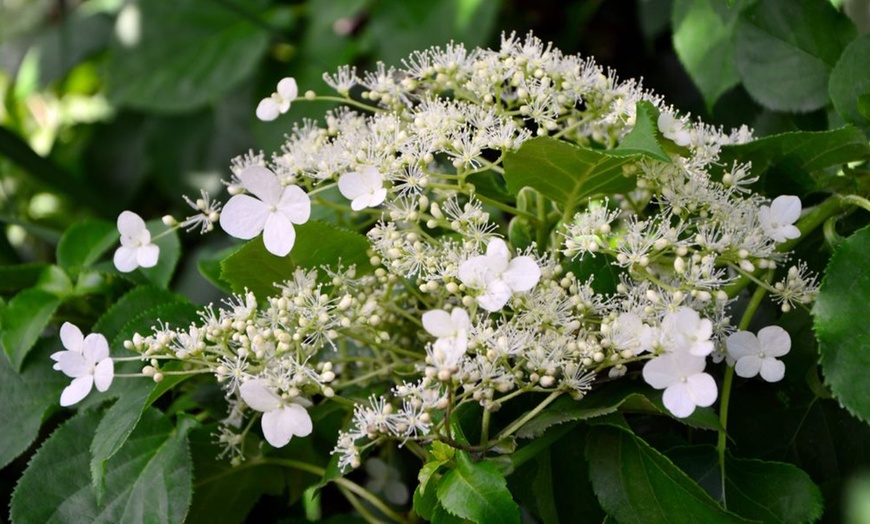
(469, 256)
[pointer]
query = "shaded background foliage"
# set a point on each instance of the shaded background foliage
(112, 105)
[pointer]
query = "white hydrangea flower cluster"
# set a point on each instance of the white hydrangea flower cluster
(453, 313)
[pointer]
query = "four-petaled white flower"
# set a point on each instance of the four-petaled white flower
(282, 420)
(754, 355)
(684, 330)
(673, 129)
(86, 360)
(451, 329)
(498, 276)
(386, 479)
(136, 248)
(277, 209)
(364, 188)
(682, 376)
(777, 219)
(279, 103)
(629, 333)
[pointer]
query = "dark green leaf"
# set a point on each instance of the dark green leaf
(54, 280)
(317, 244)
(477, 491)
(210, 267)
(189, 53)
(850, 81)
(643, 139)
(23, 319)
(84, 243)
(149, 480)
(566, 173)
(425, 502)
(20, 276)
(170, 252)
(66, 45)
(26, 397)
(792, 163)
(703, 33)
(786, 50)
(636, 483)
(137, 300)
(840, 312)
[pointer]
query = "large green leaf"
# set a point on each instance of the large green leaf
(187, 53)
(149, 480)
(636, 483)
(644, 138)
(22, 320)
(566, 173)
(317, 244)
(850, 82)
(26, 397)
(477, 491)
(793, 162)
(841, 311)
(20, 276)
(786, 50)
(703, 34)
(84, 243)
(133, 303)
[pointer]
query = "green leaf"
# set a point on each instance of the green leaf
(20, 276)
(477, 491)
(424, 503)
(840, 312)
(636, 483)
(850, 82)
(566, 173)
(149, 480)
(792, 163)
(225, 493)
(643, 139)
(26, 398)
(54, 280)
(209, 266)
(84, 243)
(703, 34)
(786, 50)
(23, 319)
(317, 244)
(189, 53)
(62, 47)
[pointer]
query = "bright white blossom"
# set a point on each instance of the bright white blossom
(673, 129)
(273, 212)
(364, 188)
(136, 248)
(498, 276)
(282, 420)
(684, 330)
(682, 376)
(777, 219)
(754, 355)
(629, 333)
(451, 329)
(86, 360)
(279, 103)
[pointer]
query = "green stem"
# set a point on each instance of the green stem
(484, 428)
(722, 443)
(517, 424)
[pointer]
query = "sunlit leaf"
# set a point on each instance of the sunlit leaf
(23, 319)
(85, 242)
(850, 82)
(476, 491)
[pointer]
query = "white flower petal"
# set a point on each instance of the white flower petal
(282, 424)
(741, 344)
(259, 397)
(71, 337)
(351, 185)
(460, 319)
(295, 204)
(262, 183)
(299, 418)
(703, 389)
(522, 274)
(678, 400)
(772, 370)
(438, 323)
(77, 390)
(104, 373)
(147, 256)
(748, 366)
(774, 341)
(268, 110)
(497, 255)
(396, 492)
(130, 224)
(659, 372)
(288, 89)
(278, 234)
(495, 297)
(244, 217)
(125, 259)
(475, 273)
(95, 348)
(72, 364)
(786, 209)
